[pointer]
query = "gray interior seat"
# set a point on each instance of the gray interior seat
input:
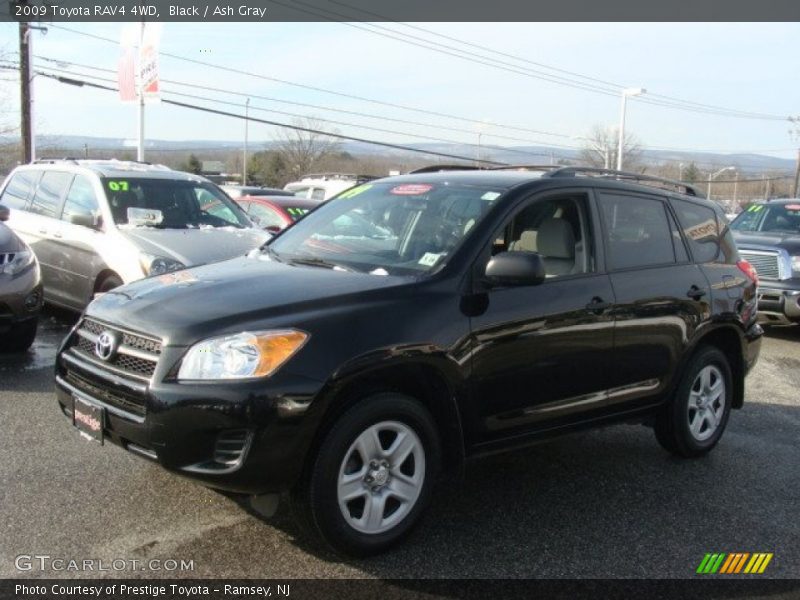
(556, 244)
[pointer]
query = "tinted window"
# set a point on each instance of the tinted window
(700, 227)
(638, 231)
(19, 189)
(681, 254)
(47, 199)
(81, 198)
(772, 217)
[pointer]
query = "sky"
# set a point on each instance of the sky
(749, 67)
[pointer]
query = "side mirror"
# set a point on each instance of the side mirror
(84, 219)
(4, 213)
(273, 229)
(515, 269)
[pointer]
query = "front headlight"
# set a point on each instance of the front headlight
(19, 261)
(158, 265)
(241, 356)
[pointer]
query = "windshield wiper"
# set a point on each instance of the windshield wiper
(313, 261)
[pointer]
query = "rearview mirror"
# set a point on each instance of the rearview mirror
(515, 269)
(4, 213)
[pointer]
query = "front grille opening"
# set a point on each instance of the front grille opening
(128, 403)
(136, 354)
(230, 447)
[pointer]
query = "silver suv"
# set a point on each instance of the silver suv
(96, 224)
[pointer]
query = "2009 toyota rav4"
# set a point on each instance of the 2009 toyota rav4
(417, 321)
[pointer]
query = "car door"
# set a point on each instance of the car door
(541, 354)
(45, 229)
(661, 296)
(76, 260)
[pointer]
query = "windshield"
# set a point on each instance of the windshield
(386, 228)
(171, 204)
(777, 218)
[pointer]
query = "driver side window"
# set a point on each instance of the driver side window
(557, 229)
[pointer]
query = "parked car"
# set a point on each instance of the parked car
(275, 213)
(322, 186)
(97, 224)
(20, 290)
(768, 235)
(462, 313)
(237, 191)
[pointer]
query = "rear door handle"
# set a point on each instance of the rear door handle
(598, 305)
(695, 293)
(43, 231)
(57, 234)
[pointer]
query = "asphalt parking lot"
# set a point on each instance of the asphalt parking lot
(608, 503)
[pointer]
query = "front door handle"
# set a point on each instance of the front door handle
(598, 305)
(695, 293)
(57, 234)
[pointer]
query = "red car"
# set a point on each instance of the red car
(274, 213)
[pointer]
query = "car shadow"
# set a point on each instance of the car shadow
(783, 332)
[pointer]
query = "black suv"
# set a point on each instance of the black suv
(416, 321)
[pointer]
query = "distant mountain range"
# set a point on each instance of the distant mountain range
(72, 145)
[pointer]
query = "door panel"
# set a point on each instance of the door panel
(541, 358)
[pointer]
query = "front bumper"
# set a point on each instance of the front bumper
(247, 437)
(21, 297)
(779, 301)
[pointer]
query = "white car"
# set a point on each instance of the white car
(321, 186)
(98, 224)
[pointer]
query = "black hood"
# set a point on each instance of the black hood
(768, 239)
(187, 305)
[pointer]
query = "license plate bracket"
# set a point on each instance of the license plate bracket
(89, 419)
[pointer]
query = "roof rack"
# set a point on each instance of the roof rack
(524, 168)
(52, 161)
(438, 168)
(661, 182)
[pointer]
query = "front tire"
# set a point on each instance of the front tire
(373, 475)
(693, 422)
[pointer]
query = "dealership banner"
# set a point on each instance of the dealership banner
(356, 589)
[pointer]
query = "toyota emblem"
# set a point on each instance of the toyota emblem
(106, 345)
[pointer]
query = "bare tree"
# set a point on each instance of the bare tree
(302, 150)
(601, 146)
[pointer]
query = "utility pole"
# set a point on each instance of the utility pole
(796, 175)
(140, 145)
(246, 123)
(735, 187)
(25, 93)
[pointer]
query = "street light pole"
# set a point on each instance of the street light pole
(713, 175)
(625, 93)
(246, 123)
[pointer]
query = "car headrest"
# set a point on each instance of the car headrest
(556, 239)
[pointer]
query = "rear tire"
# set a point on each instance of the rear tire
(20, 337)
(372, 476)
(693, 422)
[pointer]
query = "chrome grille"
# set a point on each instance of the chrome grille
(136, 355)
(766, 264)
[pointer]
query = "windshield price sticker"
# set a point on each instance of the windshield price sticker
(411, 189)
(118, 186)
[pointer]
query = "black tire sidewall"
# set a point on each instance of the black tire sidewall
(685, 442)
(322, 500)
(109, 283)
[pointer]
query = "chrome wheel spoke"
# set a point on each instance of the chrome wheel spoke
(402, 447)
(373, 511)
(696, 424)
(352, 486)
(403, 488)
(706, 403)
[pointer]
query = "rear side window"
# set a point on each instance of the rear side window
(81, 198)
(19, 189)
(638, 231)
(701, 228)
(47, 199)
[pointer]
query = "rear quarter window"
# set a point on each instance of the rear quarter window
(19, 189)
(47, 199)
(701, 228)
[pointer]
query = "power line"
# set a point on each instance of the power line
(82, 83)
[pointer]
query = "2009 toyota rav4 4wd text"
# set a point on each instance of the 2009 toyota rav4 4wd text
(416, 321)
